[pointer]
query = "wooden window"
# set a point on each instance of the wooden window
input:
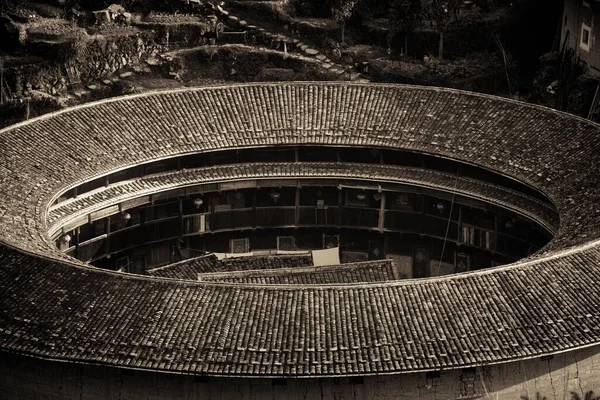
(239, 245)
(586, 37)
(287, 243)
(195, 224)
(331, 241)
(477, 237)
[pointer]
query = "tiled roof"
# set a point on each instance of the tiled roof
(360, 272)
(271, 262)
(53, 306)
(189, 269)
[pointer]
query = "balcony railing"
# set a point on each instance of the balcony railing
(313, 216)
(421, 224)
(360, 217)
(231, 219)
(282, 217)
(271, 216)
(92, 249)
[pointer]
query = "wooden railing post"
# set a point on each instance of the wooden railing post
(381, 212)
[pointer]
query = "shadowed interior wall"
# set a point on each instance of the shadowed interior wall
(560, 377)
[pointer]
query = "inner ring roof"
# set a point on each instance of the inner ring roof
(55, 307)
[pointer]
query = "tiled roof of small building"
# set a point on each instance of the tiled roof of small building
(55, 307)
(271, 262)
(360, 272)
(189, 269)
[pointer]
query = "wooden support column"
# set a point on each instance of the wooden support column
(181, 227)
(254, 208)
(460, 217)
(340, 202)
(495, 233)
(107, 230)
(76, 231)
(381, 213)
(297, 209)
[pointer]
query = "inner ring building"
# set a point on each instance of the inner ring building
(300, 239)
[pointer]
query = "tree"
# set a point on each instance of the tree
(404, 16)
(440, 12)
(341, 11)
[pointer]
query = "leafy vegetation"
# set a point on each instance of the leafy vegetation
(341, 11)
(441, 12)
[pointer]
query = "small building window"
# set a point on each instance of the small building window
(586, 3)
(433, 375)
(586, 40)
(286, 243)
(477, 237)
(356, 380)
(239, 246)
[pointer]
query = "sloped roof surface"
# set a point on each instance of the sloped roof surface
(359, 272)
(53, 306)
(189, 269)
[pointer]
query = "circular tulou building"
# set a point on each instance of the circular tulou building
(300, 240)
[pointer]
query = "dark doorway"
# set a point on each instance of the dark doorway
(420, 262)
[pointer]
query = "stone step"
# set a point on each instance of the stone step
(126, 75)
(153, 61)
(321, 57)
(311, 52)
(81, 93)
